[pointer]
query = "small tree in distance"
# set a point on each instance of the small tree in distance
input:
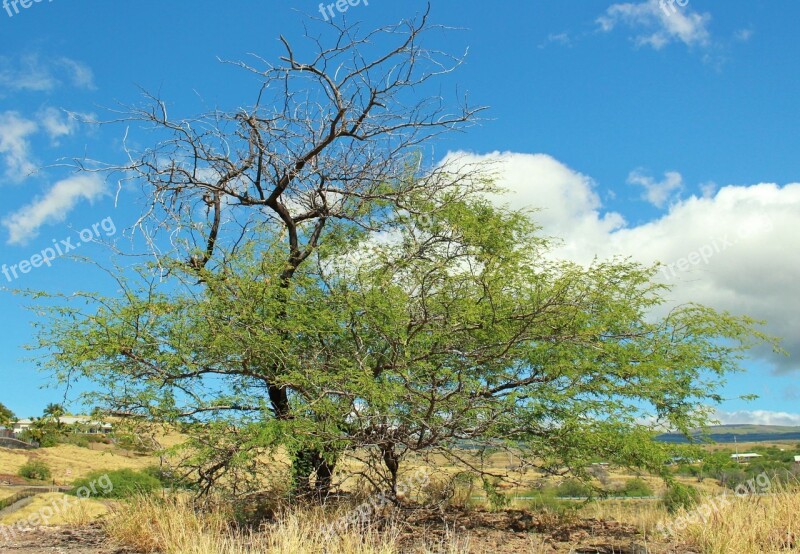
(7, 417)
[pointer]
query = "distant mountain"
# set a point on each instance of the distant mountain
(742, 433)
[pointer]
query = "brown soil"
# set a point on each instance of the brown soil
(522, 532)
(7, 480)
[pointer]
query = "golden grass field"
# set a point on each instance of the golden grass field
(69, 462)
(76, 513)
(744, 525)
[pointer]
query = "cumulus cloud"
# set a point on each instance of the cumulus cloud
(52, 207)
(657, 192)
(15, 147)
(658, 22)
(735, 249)
(758, 417)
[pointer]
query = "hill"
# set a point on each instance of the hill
(742, 433)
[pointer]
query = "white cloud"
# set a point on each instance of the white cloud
(31, 73)
(657, 192)
(57, 123)
(758, 417)
(562, 39)
(53, 207)
(659, 22)
(15, 147)
(79, 73)
(748, 235)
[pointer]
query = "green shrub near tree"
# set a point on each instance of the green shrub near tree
(635, 488)
(573, 488)
(680, 496)
(35, 471)
(120, 483)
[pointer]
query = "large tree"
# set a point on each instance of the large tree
(327, 296)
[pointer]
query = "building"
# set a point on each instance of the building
(745, 458)
(797, 459)
(82, 425)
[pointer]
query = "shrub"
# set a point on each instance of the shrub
(573, 488)
(679, 496)
(120, 483)
(636, 487)
(545, 501)
(35, 471)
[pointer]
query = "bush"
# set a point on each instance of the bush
(35, 471)
(120, 483)
(680, 496)
(635, 487)
(545, 501)
(573, 489)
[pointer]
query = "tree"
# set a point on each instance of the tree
(340, 300)
(47, 430)
(323, 154)
(7, 417)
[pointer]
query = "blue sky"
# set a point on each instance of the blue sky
(659, 130)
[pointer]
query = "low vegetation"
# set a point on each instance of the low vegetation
(35, 470)
(745, 524)
(119, 483)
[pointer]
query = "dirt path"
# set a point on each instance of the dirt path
(16, 506)
(56, 540)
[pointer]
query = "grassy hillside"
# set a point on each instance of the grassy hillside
(69, 462)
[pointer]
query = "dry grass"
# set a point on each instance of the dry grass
(50, 509)
(172, 526)
(644, 514)
(68, 462)
(745, 525)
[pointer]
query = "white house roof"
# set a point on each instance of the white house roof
(69, 420)
(747, 455)
(797, 459)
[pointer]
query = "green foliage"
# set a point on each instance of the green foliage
(7, 417)
(35, 470)
(463, 324)
(573, 488)
(497, 500)
(546, 500)
(679, 496)
(635, 488)
(119, 483)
